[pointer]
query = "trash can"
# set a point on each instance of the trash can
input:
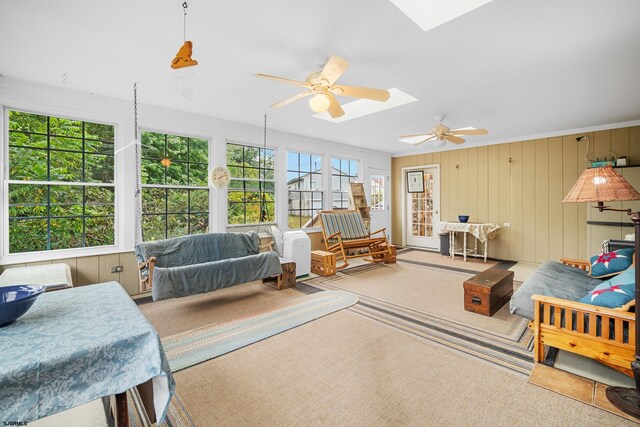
(444, 244)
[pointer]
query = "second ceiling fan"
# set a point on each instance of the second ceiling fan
(441, 134)
(321, 86)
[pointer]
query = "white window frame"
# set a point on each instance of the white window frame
(179, 187)
(360, 176)
(322, 190)
(23, 257)
(275, 185)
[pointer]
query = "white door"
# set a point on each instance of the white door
(423, 209)
(379, 199)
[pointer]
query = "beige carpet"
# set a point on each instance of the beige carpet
(416, 255)
(345, 369)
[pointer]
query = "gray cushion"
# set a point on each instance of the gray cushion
(552, 279)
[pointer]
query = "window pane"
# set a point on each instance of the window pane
(153, 200)
(65, 143)
(198, 224)
(253, 213)
(65, 127)
(177, 200)
(66, 166)
(177, 174)
(177, 148)
(235, 213)
(99, 231)
(66, 200)
(27, 164)
(198, 150)
(198, 174)
(292, 162)
(199, 200)
(27, 140)
(100, 147)
(251, 157)
(152, 172)
(153, 145)
(27, 235)
(27, 122)
(153, 227)
(98, 131)
(98, 168)
(177, 225)
(234, 155)
(251, 173)
(27, 200)
(305, 162)
(99, 201)
(66, 233)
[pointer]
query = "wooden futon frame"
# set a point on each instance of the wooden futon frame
(604, 334)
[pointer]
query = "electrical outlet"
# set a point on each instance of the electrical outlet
(507, 224)
(117, 269)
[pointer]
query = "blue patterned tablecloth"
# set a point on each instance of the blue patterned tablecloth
(75, 346)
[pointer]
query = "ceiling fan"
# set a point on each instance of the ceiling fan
(321, 85)
(441, 134)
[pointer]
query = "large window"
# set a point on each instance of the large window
(251, 192)
(343, 171)
(175, 193)
(61, 189)
(304, 181)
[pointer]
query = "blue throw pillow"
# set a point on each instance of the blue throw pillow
(612, 296)
(610, 263)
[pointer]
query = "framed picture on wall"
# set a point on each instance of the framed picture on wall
(415, 182)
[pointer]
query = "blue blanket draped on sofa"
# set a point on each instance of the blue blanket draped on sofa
(206, 262)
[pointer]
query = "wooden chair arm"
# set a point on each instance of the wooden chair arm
(338, 235)
(577, 263)
(268, 245)
(146, 282)
(587, 308)
(382, 230)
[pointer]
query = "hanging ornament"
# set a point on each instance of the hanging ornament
(165, 162)
(183, 63)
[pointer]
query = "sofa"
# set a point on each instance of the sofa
(550, 298)
(202, 263)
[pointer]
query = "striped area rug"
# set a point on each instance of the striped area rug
(191, 347)
(177, 413)
(509, 345)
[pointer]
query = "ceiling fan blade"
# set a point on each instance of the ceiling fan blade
(469, 132)
(420, 141)
(362, 92)
(415, 135)
(283, 80)
(291, 99)
(334, 68)
(453, 139)
(335, 110)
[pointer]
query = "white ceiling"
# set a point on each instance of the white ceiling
(515, 67)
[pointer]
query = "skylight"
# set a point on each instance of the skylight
(364, 107)
(433, 13)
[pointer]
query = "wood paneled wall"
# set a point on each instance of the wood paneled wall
(522, 183)
(97, 269)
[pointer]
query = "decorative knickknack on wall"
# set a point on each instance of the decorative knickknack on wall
(183, 63)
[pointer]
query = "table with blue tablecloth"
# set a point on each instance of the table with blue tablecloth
(78, 345)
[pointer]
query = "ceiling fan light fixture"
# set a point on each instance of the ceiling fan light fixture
(439, 143)
(319, 103)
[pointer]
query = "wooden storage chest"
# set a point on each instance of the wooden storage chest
(487, 291)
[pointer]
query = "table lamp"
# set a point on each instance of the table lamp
(606, 185)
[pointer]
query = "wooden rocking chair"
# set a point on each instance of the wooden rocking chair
(343, 230)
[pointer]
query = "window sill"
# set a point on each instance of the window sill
(29, 257)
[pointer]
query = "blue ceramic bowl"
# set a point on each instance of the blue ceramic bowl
(463, 218)
(16, 300)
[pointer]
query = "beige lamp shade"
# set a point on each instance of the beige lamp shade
(601, 185)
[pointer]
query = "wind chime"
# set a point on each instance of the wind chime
(182, 62)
